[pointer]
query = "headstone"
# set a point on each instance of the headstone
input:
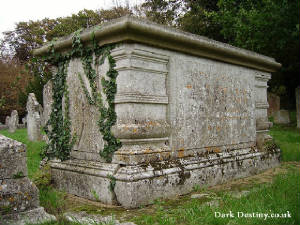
(47, 102)
(7, 120)
(24, 121)
(282, 117)
(13, 121)
(298, 106)
(19, 197)
(274, 103)
(33, 118)
(189, 111)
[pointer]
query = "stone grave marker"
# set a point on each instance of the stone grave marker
(274, 103)
(47, 101)
(297, 92)
(13, 121)
(19, 198)
(7, 120)
(24, 121)
(282, 117)
(33, 118)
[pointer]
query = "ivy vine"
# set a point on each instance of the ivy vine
(58, 126)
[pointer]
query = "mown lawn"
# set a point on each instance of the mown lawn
(278, 193)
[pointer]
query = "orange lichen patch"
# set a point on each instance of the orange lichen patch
(216, 150)
(168, 155)
(189, 86)
(151, 123)
(181, 153)
(160, 156)
(122, 158)
(11, 199)
(208, 149)
(147, 150)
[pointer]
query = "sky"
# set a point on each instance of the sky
(14, 11)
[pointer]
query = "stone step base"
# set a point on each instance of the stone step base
(132, 186)
(34, 216)
(17, 195)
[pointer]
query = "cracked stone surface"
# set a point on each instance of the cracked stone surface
(91, 219)
(19, 197)
(34, 216)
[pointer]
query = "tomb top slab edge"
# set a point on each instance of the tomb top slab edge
(131, 29)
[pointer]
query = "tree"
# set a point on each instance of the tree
(199, 18)
(269, 27)
(164, 12)
(13, 80)
(18, 44)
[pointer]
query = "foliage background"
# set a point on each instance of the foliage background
(269, 27)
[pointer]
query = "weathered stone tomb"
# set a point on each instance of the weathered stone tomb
(189, 110)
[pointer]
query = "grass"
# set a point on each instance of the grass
(287, 137)
(279, 196)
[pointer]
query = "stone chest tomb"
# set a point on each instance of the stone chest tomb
(183, 110)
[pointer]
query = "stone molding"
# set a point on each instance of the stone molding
(139, 98)
(126, 29)
(141, 132)
(261, 105)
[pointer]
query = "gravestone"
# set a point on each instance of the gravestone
(274, 103)
(33, 118)
(7, 120)
(24, 121)
(282, 117)
(297, 92)
(19, 198)
(13, 121)
(47, 101)
(189, 111)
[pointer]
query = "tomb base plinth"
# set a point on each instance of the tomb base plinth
(134, 185)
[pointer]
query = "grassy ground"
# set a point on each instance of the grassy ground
(288, 139)
(274, 191)
(277, 197)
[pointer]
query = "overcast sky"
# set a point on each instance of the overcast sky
(14, 11)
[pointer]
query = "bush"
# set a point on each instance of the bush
(42, 178)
